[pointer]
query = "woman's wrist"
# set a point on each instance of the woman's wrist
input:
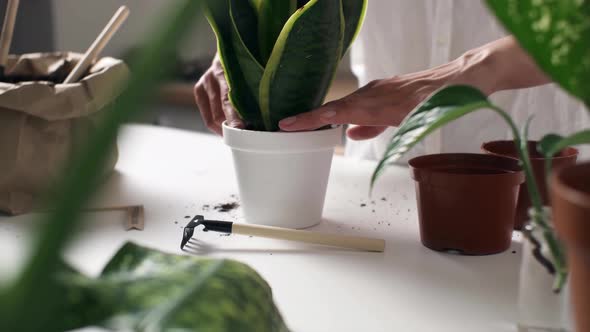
(499, 65)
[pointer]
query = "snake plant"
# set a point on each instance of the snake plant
(556, 34)
(280, 56)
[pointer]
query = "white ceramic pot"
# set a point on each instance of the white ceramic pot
(282, 177)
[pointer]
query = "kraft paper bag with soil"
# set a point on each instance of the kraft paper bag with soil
(43, 121)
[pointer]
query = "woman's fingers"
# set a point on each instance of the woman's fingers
(359, 133)
(214, 94)
(202, 99)
(211, 94)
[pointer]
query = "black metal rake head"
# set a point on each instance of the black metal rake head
(210, 225)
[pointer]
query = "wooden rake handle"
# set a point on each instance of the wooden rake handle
(342, 241)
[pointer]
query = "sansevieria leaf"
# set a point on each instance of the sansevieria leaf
(142, 289)
(231, 50)
(272, 15)
(245, 43)
(442, 107)
(303, 62)
(354, 14)
(556, 33)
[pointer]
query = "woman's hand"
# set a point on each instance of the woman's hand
(500, 65)
(372, 108)
(211, 95)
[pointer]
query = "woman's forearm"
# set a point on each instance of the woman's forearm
(499, 65)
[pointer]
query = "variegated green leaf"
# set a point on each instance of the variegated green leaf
(556, 33)
(243, 22)
(272, 16)
(354, 14)
(303, 62)
(142, 289)
(233, 53)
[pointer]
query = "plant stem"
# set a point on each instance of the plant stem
(539, 217)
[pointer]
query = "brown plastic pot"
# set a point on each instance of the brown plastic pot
(565, 157)
(570, 197)
(466, 202)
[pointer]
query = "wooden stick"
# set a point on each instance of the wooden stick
(98, 45)
(8, 31)
(352, 242)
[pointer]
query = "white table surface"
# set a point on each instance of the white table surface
(408, 288)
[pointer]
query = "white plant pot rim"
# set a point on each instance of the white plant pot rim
(282, 142)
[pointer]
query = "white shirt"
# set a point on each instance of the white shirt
(404, 36)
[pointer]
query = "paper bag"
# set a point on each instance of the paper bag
(42, 123)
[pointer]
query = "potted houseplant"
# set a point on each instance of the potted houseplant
(140, 289)
(279, 58)
(539, 27)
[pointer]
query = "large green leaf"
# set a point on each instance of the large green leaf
(354, 14)
(303, 62)
(556, 33)
(272, 16)
(442, 107)
(241, 70)
(142, 289)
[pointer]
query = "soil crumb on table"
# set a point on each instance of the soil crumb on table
(226, 207)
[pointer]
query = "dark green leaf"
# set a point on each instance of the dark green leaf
(552, 143)
(244, 16)
(442, 107)
(233, 53)
(303, 62)
(144, 289)
(272, 16)
(354, 13)
(556, 33)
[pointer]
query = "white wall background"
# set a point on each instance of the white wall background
(78, 22)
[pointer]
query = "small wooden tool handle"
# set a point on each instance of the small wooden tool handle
(98, 45)
(8, 30)
(343, 241)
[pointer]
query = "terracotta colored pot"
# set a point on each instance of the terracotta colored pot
(570, 196)
(566, 157)
(466, 202)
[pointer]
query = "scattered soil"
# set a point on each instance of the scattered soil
(384, 199)
(226, 207)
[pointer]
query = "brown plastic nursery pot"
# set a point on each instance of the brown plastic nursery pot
(466, 202)
(565, 157)
(570, 197)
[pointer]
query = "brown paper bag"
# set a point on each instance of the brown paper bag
(42, 123)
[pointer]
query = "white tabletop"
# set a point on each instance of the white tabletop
(408, 288)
